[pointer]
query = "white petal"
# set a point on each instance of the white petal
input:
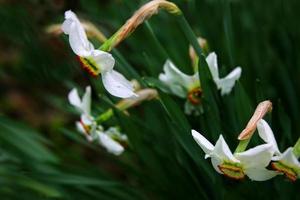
(87, 119)
(266, 133)
(117, 85)
(77, 36)
(212, 63)
(74, 98)
(288, 157)
(260, 174)
(205, 145)
(178, 82)
(79, 127)
(257, 157)
(222, 151)
(104, 60)
(79, 44)
(70, 17)
(86, 100)
(84, 105)
(190, 109)
(226, 84)
(110, 145)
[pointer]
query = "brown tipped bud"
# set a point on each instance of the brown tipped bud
(203, 44)
(143, 95)
(261, 110)
(142, 14)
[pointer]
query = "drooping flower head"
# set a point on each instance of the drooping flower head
(252, 162)
(111, 139)
(94, 60)
(189, 87)
(286, 162)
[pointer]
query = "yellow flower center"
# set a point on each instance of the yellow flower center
(232, 170)
(86, 128)
(89, 65)
(288, 171)
(194, 96)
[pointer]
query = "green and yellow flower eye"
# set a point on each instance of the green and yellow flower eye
(195, 95)
(288, 171)
(232, 171)
(89, 65)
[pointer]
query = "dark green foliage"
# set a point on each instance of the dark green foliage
(43, 157)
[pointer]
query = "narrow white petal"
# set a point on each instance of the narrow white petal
(104, 60)
(257, 157)
(110, 145)
(86, 100)
(66, 26)
(266, 133)
(80, 128)
(74, 98)
(86, 119)
(288, 157)
(260, 174)
(178, 90)
(205, 145)
(77, 36)
(226, 84)
(222, 151)
(117, 85)
(78, 41)
(178, 82)
(70, 17)
(212, 63)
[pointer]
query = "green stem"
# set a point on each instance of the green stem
(227, 22)
(105, 116)
(190, 35)
(296, 149)
(242, 146)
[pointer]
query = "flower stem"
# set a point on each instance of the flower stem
(146, 94)
(296, 149)
(105, 116)
(188, 32)
(242, 146)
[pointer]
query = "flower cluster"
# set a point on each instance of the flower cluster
(259, 163)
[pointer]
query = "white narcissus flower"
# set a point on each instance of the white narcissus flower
(286, 162)
(95, 61)
(188, 86)
(224, 84)
(252, 162)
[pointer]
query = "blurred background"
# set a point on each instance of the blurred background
(43, 157)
